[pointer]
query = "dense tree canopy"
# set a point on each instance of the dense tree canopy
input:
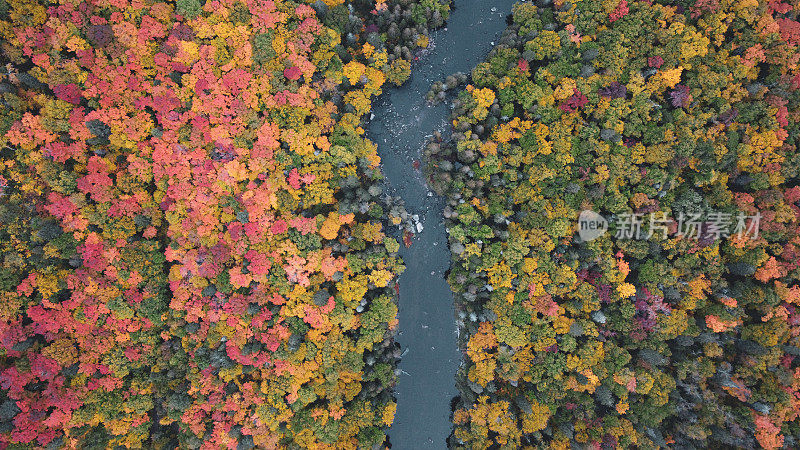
(193, 240)
(627, 109)
(198, 253)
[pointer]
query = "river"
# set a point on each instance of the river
(401, 124)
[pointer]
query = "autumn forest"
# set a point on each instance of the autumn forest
(200, 248)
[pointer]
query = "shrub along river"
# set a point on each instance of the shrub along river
(401, 124)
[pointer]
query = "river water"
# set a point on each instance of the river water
(401, 124)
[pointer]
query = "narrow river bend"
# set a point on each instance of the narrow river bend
(400, 126)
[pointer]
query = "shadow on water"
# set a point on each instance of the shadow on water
(402, 122)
